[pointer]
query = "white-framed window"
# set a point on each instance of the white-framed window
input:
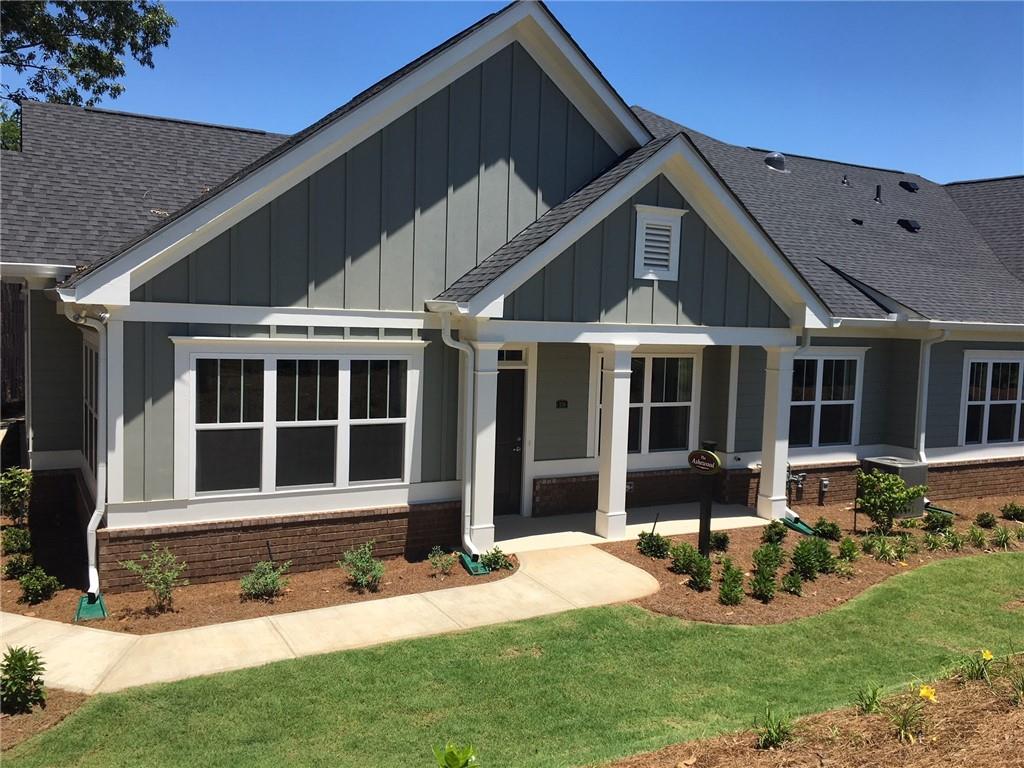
(657, 242)
(663, 402)
(90, 399)
(826, 397)
(992, 404)
(303, 416)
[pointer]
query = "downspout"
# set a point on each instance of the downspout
(100, 326)
(923, 369)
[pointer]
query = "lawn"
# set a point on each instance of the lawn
(572, 689)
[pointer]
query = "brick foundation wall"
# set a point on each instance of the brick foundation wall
(578, 493)
(225, 550)
(993, 477)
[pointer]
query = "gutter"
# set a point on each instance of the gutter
(923, 369)
(100, 326)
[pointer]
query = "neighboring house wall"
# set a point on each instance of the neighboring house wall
(402, 215)
(56, 378)
(593, 280)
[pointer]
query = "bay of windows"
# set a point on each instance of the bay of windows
(994, 401)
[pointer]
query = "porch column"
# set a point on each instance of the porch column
(485, 388)
(778, 385)
(614, 438)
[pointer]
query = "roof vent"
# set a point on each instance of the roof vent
(776, 161)
(846, 181)
(909, 224)
(878, 193)
(909, 186)
(858, 222)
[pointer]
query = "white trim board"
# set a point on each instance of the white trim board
(167, 312)
(483, 329)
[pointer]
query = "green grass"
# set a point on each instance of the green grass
(572, 689)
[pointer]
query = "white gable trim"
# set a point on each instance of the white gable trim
(527, 23)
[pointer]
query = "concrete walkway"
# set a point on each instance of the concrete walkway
(80, 658)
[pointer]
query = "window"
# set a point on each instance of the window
(377, 419)
(993, 409)
(825, 400)
(657, 243)
(307, 422)
(229, 421)
(90, 409)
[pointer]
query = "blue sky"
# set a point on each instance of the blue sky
(934, 88)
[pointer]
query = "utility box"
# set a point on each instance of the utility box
(913, 473)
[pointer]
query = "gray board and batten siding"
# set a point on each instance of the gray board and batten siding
(56, 378)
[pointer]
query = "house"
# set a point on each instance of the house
(486, 286)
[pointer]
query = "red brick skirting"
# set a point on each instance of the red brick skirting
(228, 549)
(992, 477)
(578, 493)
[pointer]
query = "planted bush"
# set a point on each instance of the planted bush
(1002, 538)
(768, 558)
(15, 540)
(884, 497)
(15, 493)
(160, 571)
(720, 541)
(774, 533)
(848, 550)
(936, 521)
(265, 581)
(773, 730)
(455, 756)
(364, 570)
(793, 584)
(762, 586)
(496, 560)
(811, 557)
(985, 520)
(954, 541)
(683, 554)
(1013, 511)
(21, 681)
(828, 529)
(934, 542)
(441, 562)
(976, 536)
(869, 699)
(653, 545)
(17, 566)
(730, 592)
(700, 573)
(38, 586)
(905, 544)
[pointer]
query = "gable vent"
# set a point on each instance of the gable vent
(909, 224)
(657, 242)
(910, 186)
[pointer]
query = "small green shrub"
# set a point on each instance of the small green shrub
(954, 541)
(881, 547)
(909, 522)
(848, 550)
(441, 562)
(907, 719)
(1016, 680)
(811, 557)
(730, 592)
(774, 533)
(828, 529)
(720, 541)
(364, 570)
(15, 493)
(1002, 538)
(793, 584)
(700, 573)
(38, 586)
(1013, 511)
(455, 756)
(884, 497)
(17, 566)
(973, 666)
(868, 700)
(762, 586)
(653, 545)
(977, 537)
(21, 681)
(15, 541)
(934, 542)
(160, 571)
(683, 556)
(773, 731)
(985, 520)
(265, 581)
(768, 558)
(1019, 533)
(936, 521)
(496, 560)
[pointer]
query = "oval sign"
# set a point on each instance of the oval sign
(705, 462)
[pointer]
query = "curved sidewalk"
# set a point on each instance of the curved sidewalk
(80, 658)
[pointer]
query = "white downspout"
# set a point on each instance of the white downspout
(923, 369)
(98, 325)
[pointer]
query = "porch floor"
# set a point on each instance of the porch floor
(514, 533)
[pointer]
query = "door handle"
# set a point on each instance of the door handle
(517, 449)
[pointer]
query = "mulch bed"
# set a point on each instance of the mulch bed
(675, 598)
(14, 729)
(969, 726)
(198, 605)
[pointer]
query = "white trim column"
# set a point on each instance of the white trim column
(610, 521)
(485, 406)
(778, 387)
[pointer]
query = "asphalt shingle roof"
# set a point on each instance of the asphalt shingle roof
(89, 180)
(996, 208)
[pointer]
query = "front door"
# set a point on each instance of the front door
(508, 447)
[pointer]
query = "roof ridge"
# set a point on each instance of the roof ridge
(983, 180)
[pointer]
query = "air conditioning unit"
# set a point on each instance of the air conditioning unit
(912, 471)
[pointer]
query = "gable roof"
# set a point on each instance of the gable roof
(946, 271)
(88, 180)
(996, 209)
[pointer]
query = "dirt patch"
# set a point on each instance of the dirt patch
(675, 598)
(202, 604)
(14, 729)
(968, 726)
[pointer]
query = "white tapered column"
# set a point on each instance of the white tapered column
(485, 388)
(778, 385)
(614, 439)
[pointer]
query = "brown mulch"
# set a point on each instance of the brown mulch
(14, 729)
(969, 726)
(675, 598)
(198, 605)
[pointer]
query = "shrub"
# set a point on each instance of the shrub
(881, 547)
(1019, 533)
(811, 557)
(1013, 511)
(160, 571)
(985, 520)
(907, 719)
(730, 592)
(768, 558)
(884, 497)
(976, 536)
(909, 522)
(21, 681)
(973, 666)
(828, 529)
(934, 542)
(793, 584)
(15, 493)
(868, 699)
(937, 521)
(37, 585)
(774, 533)
(773, 731)
(683, 556)
(364, 570)
(264, 581)
(762, 586)
(653, 545)
(720, 541)
(1016, 680)
(1002, 538)
(17, 566)
(954, 541)
(496, 560)
(15, 540)
(848, 550)
(905, 544)
(700, 573)
(455, 756)
(441, 562)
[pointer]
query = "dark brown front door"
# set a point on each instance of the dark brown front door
(508, 443)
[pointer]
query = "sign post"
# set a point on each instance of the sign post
(707, 464)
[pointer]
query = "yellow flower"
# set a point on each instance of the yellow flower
(927, 693)
(986, 655)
